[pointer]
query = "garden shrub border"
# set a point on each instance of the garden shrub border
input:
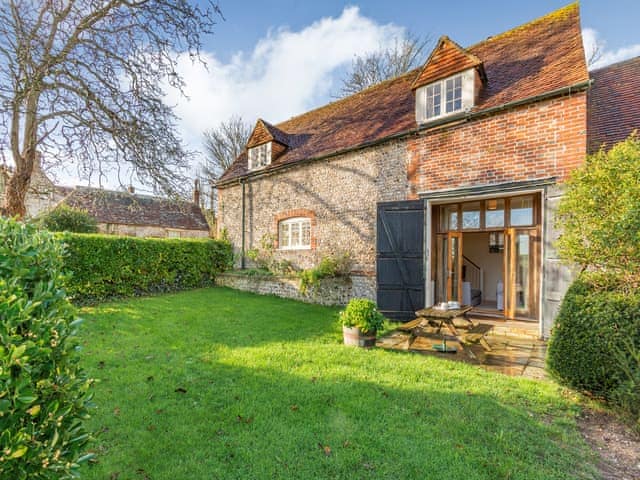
(595, 338)
(106, 266)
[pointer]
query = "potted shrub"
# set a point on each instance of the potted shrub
(360, 322)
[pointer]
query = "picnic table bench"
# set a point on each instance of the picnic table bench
(475, 333)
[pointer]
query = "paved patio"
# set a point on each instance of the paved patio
(512, 353)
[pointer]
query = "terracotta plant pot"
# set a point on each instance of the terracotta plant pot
(355, 337)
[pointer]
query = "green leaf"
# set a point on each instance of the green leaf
(56, 437)
(26, 399)
(33, 411)
(86, 458)
(17, 353)
(19, 452)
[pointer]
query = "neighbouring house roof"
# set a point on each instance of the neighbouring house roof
(614, 104)
(537, 58)
(124, 208)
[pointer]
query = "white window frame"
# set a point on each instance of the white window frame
(443, 86)
(291, 223)
(425, 95)
(260, 156)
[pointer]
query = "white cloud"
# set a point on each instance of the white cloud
(592, 42)
(286, 74)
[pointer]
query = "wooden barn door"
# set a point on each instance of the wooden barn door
(400, 259)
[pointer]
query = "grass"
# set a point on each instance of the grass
(217, 383)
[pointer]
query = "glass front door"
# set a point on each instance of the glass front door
(449, 269)
(519, 269)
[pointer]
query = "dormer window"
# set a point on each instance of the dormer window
(448, 96)
(438, 104)
(260, 156)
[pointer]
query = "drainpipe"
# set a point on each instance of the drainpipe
(242, 264)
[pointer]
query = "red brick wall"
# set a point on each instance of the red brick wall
(546, 139)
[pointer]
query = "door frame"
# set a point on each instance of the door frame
(436, 198)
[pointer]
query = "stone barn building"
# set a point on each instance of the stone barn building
(442, 183)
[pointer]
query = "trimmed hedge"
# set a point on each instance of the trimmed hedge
(596, 326)
(106, 266)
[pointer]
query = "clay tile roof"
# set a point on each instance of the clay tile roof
(446, 59)
(108, 206)
(533, 59)
(614, 104)
(265, 132)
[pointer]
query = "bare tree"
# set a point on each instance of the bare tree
(406, 54)
(594, 53)
(82, 81)
(223, 145)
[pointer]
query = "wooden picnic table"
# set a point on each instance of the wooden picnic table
(446, 317)
(475, 332)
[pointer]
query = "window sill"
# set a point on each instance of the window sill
(293, 249)
(427, 121)
(256, 169)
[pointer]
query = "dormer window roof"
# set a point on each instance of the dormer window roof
(447, 59)
(265, 145)
(449, 82)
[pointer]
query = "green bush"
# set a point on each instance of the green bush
(627, 395)
(105, 266)
(44, 395)
(338, 265)
(361, 313)
(599, 214)
(67, 219)
(264, 257)
(597, 322)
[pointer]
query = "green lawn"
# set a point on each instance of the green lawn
(216, 383)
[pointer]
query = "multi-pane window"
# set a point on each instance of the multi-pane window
(433, 100)
(294, 233)
(260, 156)
(444, 97)
(489, 214)
(453, 90)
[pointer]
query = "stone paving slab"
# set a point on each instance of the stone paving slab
(510, 354)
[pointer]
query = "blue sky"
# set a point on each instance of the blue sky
(466, 22)
(278, 58)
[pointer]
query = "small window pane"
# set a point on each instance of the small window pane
(306, 233)
(453, 88)
(433, 100)
(521, 211)
(494, 213)
(284, 235)
(295, 234)
(471, 215)
(448, 218)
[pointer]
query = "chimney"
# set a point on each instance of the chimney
(131, 189)
(196, 192)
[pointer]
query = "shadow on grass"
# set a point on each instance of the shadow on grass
(239, 422)
(217, 383)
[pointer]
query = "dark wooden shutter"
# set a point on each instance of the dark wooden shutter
(400, 258)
